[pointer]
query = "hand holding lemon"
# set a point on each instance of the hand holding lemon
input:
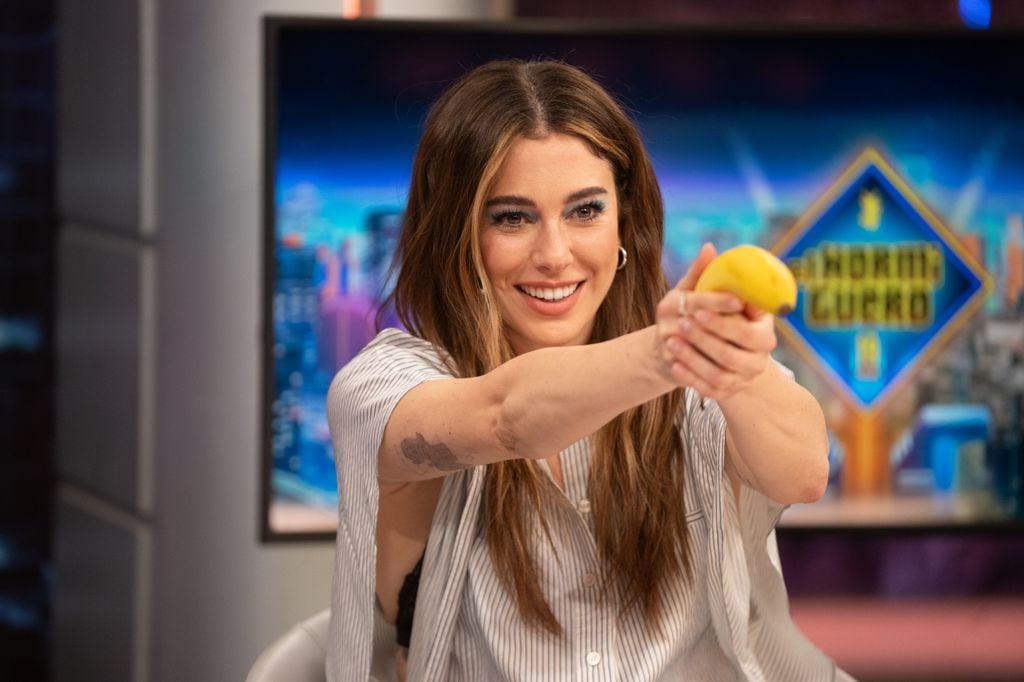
(707, 345)
(753, 274)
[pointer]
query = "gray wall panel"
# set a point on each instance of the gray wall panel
(96, 558)
(99, 120)
(98, 345)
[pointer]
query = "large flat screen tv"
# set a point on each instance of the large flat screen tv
(886, 168)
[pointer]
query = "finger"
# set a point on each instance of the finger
(714, 301)
(685, 376)
(672, 346)
(726, 355)
(705, 366)
(706, 255)
(667, 326)
(756, 336)
(679, 303)
(666, 306)
(752, 312)
(719, 352)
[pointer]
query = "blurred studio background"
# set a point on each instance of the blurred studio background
(198, 199)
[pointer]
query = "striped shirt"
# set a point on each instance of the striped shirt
(731, 622)
(491, 643)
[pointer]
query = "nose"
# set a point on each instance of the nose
(552, 250)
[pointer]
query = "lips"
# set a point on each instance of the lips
(550, 301)
(549, 293)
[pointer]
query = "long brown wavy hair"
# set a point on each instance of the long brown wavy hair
(442, 295)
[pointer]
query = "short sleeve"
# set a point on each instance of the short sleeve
(359, 405)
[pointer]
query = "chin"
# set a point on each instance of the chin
(553, 340)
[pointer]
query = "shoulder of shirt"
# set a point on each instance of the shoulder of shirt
(398, 344)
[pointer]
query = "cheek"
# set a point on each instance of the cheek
(603, 248)
(497, 257)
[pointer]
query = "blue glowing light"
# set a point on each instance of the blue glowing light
(976, 13)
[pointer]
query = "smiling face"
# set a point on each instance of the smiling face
(549, 240)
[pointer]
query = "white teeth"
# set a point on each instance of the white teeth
(554, 294)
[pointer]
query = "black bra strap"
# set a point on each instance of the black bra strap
(407, 605)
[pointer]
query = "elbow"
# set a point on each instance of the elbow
(816, 485)
(808, 468)
(807, 489)
(815, 482)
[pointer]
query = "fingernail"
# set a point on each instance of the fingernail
(735, 304)
(685, 325)
(703, 316)
(674, 345)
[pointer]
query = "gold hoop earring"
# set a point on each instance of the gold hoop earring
(623, 259)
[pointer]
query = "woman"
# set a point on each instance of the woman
(576, 514)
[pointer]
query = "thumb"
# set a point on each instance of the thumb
(706, 255)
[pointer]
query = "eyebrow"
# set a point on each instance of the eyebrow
(516, 200)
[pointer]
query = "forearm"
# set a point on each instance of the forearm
(531, 407)
(555, 396)
(776, 438)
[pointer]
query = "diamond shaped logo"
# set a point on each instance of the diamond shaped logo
(883, 283)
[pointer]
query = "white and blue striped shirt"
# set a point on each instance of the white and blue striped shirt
(731, 622)
(491, 643)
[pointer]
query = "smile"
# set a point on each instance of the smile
(549, 293)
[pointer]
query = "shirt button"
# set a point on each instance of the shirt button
(584, 506)
(593, 658)
(589, 580)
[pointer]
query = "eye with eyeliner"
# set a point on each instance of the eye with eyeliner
(514, 218)
(511, 218)
(587, 210)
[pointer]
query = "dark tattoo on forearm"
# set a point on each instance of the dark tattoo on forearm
(438, 455)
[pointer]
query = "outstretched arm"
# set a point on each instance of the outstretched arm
(531, 407)
(775, 436)
(775, 439)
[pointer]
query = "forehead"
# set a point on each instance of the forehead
(551, 165)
